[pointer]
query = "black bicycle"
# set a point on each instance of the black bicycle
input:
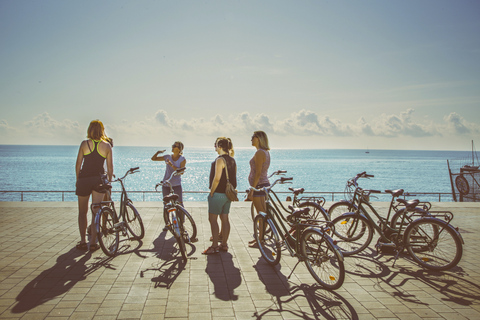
(107, 223)
(303, 237)
(178, 221)
(429, 237)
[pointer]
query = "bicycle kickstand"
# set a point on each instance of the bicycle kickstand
(396, 257)
(293, 269)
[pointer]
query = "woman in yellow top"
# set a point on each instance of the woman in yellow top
(89, 167)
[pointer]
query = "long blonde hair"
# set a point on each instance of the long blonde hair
(262, 140)
(96, 131)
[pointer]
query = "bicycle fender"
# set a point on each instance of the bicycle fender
(446, 224)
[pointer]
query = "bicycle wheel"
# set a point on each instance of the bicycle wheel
(317, 212)
(433, 244)
(180, 241)
(353, 233)
(339, 208)
(134, 222)
(268, 242)
(107, 232)
(189, 228)
(323, 259)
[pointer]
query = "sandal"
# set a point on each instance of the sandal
(211, 250)
(224, 247)
(252, 241)
(94, 247)
(82, 246)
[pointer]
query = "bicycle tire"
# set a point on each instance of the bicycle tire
(134, 222)
(433, 243)
(269, 244)
(317, 212)
(323, 259)
(253, 212)
(107, 232)
(189, 228)
(180, 241)
(339, 208)
(353, 233)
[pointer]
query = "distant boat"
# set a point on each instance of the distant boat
(368, 151)
(472, 167)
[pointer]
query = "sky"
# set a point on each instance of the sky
(311, 74)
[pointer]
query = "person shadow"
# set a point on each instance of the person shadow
(70, 268)
(224, 275)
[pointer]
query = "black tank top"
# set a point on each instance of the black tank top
(92, 162)
(232, 169)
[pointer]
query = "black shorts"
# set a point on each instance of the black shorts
(85, 186)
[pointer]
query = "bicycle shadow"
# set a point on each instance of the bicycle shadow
(393, 280)
(323, 304)
(70, 268)
(224, 275)
(172, 266)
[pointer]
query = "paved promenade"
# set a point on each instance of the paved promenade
(43, 276)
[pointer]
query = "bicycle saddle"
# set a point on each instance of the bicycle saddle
(170, 197)
(410, 204)
(298, 213)
(297, 191)
(395, 193)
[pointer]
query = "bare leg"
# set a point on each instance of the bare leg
(82, 216)
(96, 198)
(260, 205)
(225, 228)
(213, 219)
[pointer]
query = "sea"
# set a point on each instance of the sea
(45, 169)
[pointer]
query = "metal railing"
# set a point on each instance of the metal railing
(146, 195)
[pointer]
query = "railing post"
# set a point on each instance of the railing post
(21, 197)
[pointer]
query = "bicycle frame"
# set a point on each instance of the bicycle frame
(273, 214)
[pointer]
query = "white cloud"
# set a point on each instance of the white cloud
(162, 128)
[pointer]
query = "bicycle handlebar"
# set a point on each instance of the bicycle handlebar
(278, 172)
(129, 171)
(282, 180)
(177, 172)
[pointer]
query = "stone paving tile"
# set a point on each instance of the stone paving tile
(43, 276)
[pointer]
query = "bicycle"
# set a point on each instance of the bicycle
(107, 223)
(314, 203)
(304, 238)
(178, 221)
(430, 239)
(351, 204)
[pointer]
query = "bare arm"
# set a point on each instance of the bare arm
(78, 165)
(219, 165)
(109, 163)
(157, 158)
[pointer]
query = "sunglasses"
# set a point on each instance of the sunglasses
(175, 146)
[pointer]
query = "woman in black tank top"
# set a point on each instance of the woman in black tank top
(92, 155)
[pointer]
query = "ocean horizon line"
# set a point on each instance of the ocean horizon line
(240, 147)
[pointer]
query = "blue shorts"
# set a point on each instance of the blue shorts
(218, 204)
(260, 193)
